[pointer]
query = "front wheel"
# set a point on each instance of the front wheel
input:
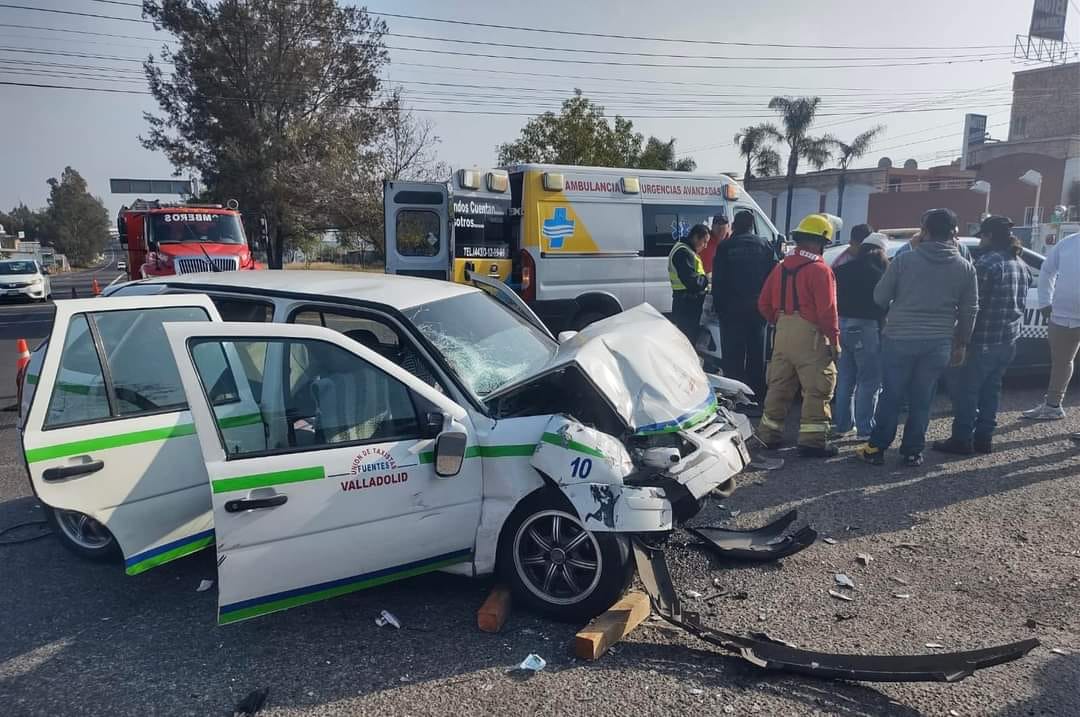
(556, 566)
(83, 535)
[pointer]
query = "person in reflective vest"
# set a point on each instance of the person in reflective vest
(688, 281)
(799, 298)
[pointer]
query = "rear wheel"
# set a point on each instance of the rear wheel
(558, 567)
(83, 535)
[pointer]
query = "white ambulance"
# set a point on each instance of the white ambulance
(583, 242)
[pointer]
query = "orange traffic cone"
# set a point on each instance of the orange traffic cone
(24, 356)
(95, 287)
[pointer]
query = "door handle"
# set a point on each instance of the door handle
(238, 506)
(79, 469)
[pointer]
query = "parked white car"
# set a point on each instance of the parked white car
(343, 430)
(24, 279)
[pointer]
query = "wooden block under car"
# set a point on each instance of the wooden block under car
(493, 613)
(605, 630)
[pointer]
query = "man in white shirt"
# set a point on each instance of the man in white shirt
(1059, 299)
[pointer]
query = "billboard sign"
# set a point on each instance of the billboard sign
(974, 134)
(1048, 19)
(150, 186)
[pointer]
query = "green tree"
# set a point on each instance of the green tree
(582, 135)
(76, 223)
(23, 219)
(797, 117)
(753, 143)
(268, 100)
(658, 154)
(847, 153)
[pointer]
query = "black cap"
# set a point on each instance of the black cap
(939, 222)
(996, 225)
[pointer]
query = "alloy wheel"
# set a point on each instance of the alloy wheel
(557, 559)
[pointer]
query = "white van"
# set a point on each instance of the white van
(585, 242)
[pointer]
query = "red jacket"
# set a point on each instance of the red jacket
(816, 288)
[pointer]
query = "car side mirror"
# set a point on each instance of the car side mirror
(45, 271)
(565, 336)
(450, 453)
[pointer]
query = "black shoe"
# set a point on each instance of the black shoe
(914, 460)
(955, 446)
(983, 445)
(828, 451)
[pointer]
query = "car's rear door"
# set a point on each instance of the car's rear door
(417, 218)
(108, 434)
(339, 491)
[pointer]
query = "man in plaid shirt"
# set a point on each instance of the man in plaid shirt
(975, 387)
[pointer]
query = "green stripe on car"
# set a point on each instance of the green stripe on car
(557, 440)
(507, 451)
(265, 480)
(152, 562)
(62, 450)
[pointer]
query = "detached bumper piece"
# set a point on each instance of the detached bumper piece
(761, 545)
(780, 657)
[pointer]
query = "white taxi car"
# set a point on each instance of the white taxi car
(341, 430)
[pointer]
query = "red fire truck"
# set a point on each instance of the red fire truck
(166, 239)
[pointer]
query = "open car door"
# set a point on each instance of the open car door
(108, 438)
(417, 221)
(508, 298)
(358, 477)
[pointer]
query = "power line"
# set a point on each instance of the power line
(683, 40)
(548, 48)
(86, 32)
(73, 12)
(577, 61)
(430, 109)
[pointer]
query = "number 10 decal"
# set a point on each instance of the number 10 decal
(580, 467)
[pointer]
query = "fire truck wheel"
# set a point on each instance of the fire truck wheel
(83, 535)
(556, 566)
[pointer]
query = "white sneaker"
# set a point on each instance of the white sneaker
(1044, 412)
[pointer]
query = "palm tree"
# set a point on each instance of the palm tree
(753, 144)
(797, 115)
(848, 153)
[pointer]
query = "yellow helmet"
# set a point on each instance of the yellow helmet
(815, 226)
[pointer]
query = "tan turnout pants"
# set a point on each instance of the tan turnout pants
(1063, 345)
(800, 360)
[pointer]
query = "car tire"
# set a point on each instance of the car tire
(585, 575)
(92, 541)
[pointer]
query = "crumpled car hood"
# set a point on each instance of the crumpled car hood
(643, 366)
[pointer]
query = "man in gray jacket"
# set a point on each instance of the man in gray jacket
(932, 297)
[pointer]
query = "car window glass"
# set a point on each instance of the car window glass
(141, 366)
(328, 396)
(243, 310)
(665, 224)
(376, 334)
(418, 232)
(79, 390)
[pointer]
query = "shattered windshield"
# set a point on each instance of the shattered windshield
(485, 344)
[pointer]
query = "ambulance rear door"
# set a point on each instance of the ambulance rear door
(417, 220)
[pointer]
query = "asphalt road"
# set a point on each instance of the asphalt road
(989, 547)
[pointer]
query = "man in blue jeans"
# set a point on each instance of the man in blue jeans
(975, 387)
(932, 297)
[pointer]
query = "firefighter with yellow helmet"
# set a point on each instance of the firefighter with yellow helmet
(799, 298)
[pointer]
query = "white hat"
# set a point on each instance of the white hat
(877, 239)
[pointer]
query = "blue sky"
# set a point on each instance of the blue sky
(42, 130)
